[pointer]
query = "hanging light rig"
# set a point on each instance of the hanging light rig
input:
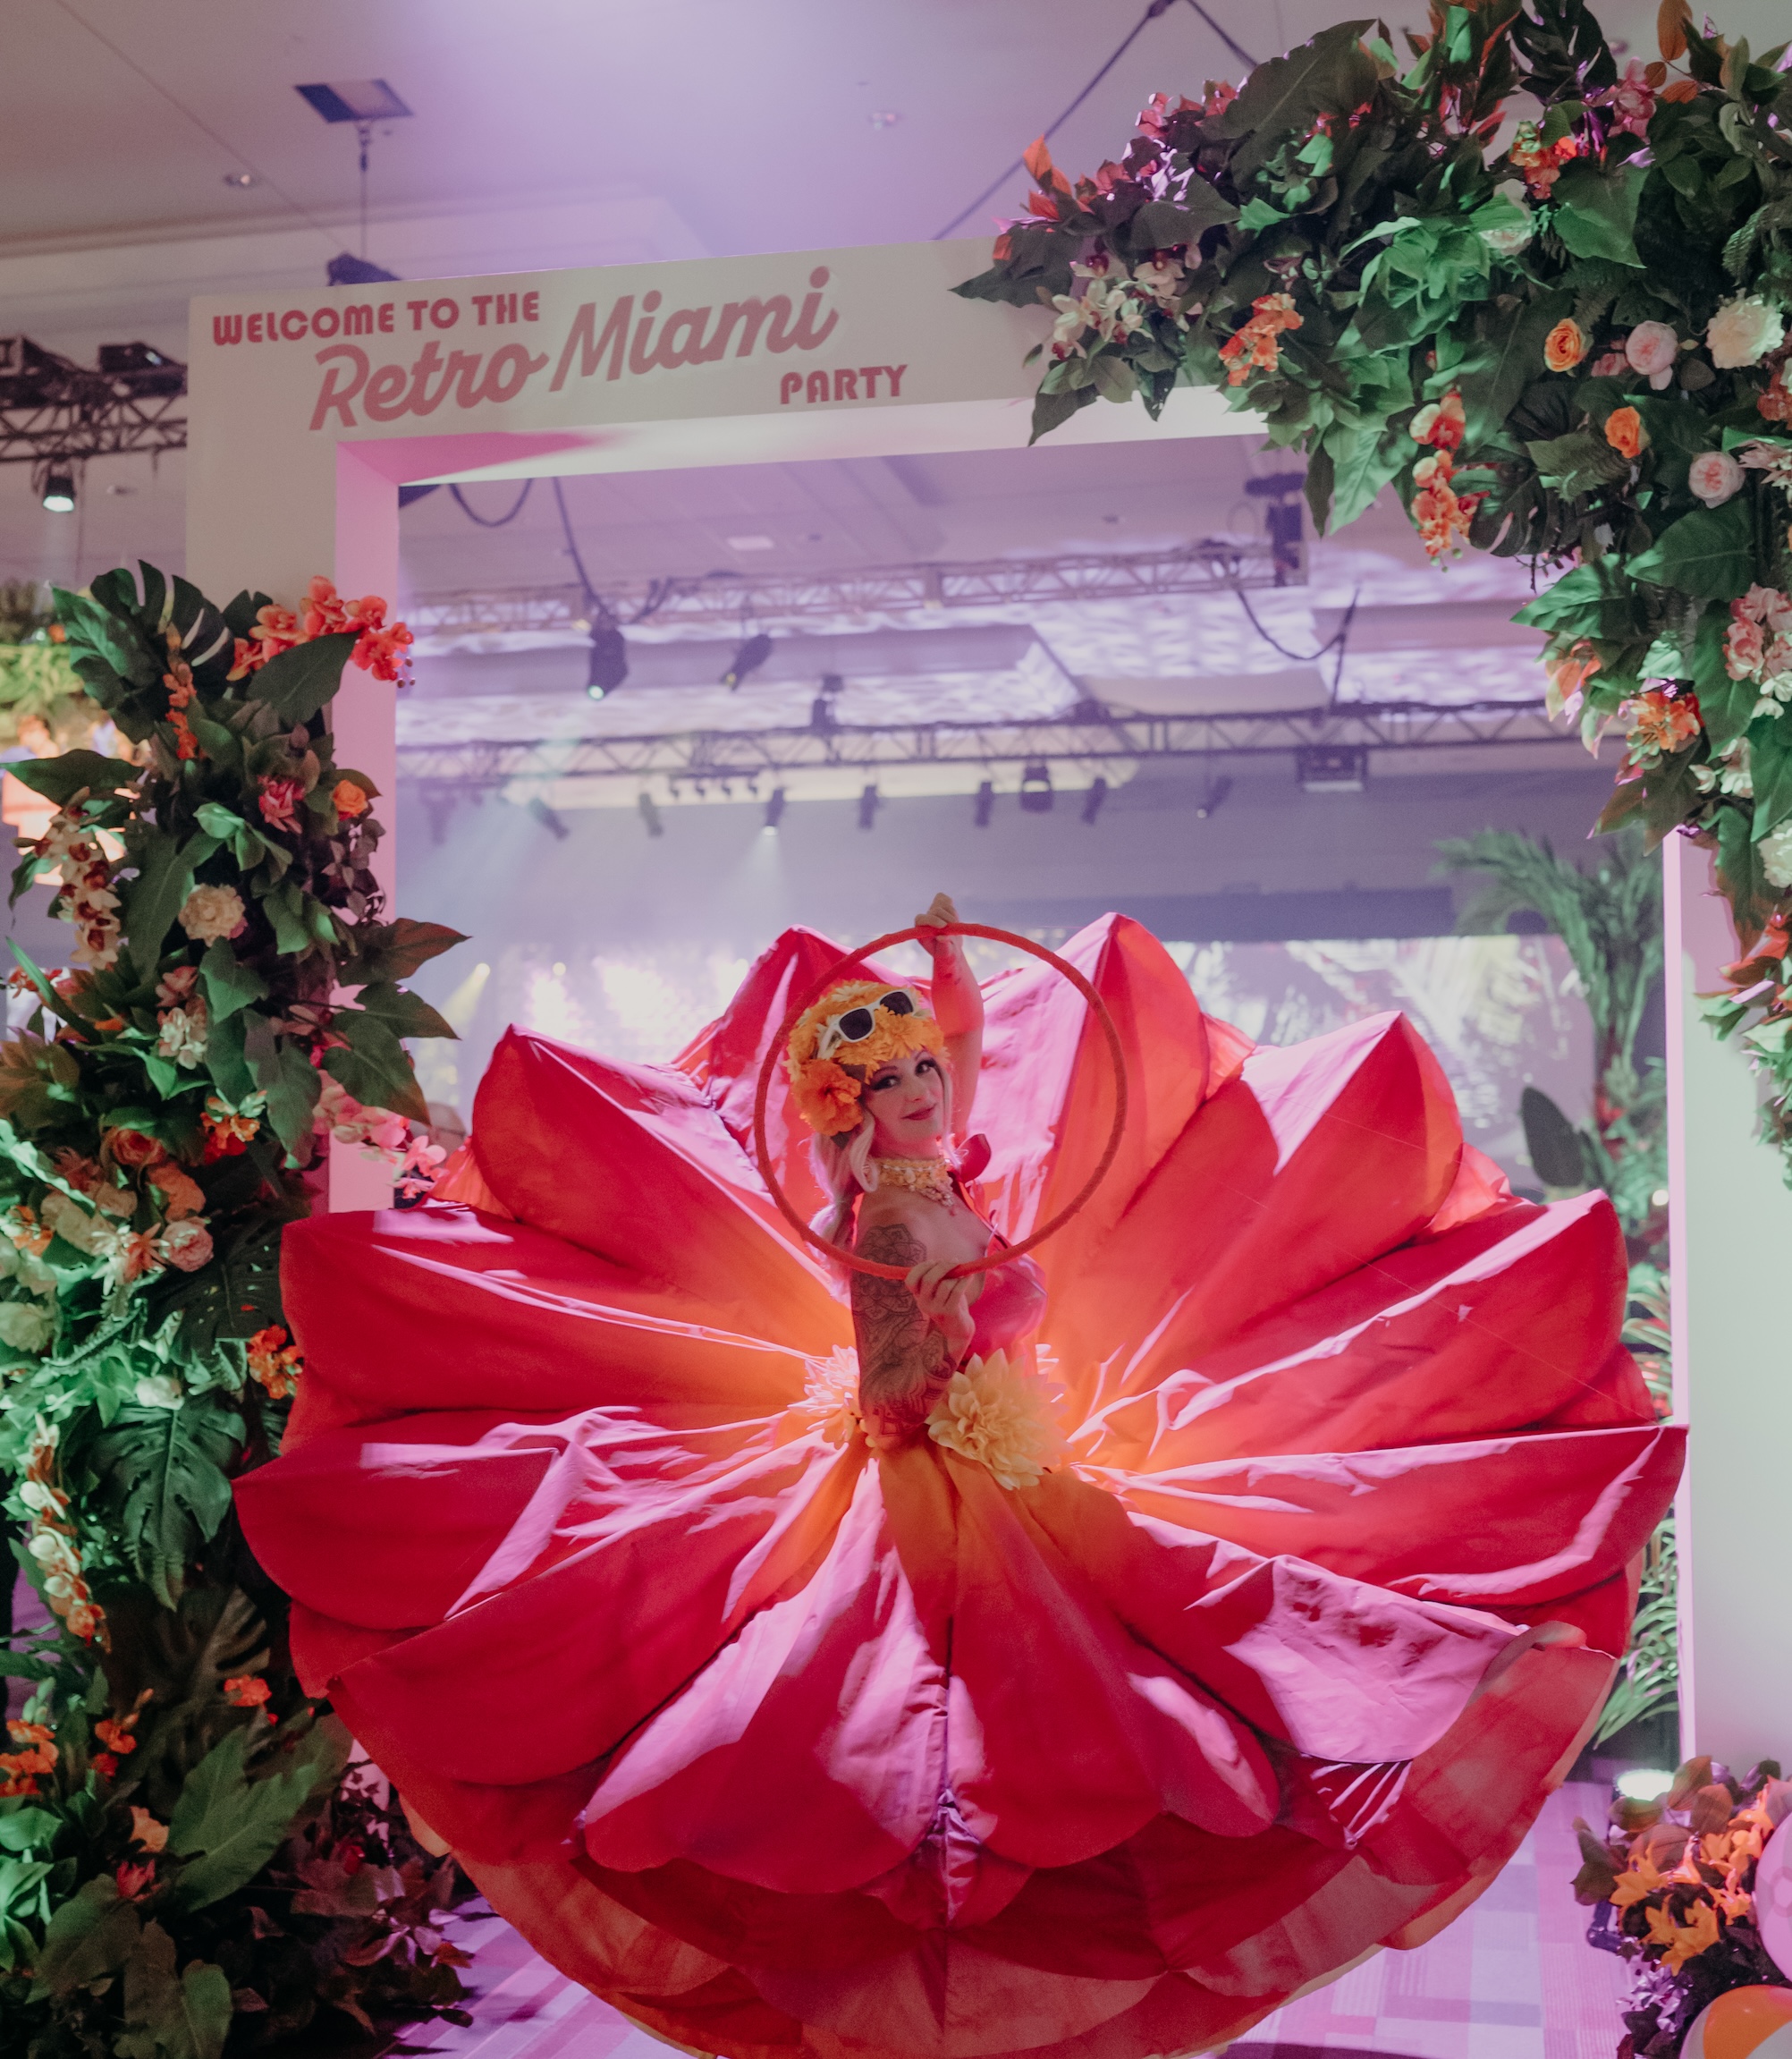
(365, 102)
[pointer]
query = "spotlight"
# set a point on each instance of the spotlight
(650, 815)
(1094, 797)
(823, 721)
(986, 804)
(1282, 519)
(59, 490)
(747, 659)
(1332, 767)
(1035, 789)
(551, 822)
(775, 807)
(607, 666)
(869, 801)
(1210, 803)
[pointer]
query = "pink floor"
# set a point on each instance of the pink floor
(1513, 1978)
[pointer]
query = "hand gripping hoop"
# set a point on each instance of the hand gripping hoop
(919, 934)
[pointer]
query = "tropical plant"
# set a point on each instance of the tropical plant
(1609, 916)
(163, 1105)
(1560, 336)
(41, 700)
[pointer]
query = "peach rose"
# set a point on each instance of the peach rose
(1565, 346)
(1624, 431)
(1651, 349)
(1714, 478)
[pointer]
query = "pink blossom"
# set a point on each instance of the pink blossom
(175, 984)
(1632, 101)
(1651, 349)
(1611, 365)
(279, 799)
(1714, 478)
(1744, 650)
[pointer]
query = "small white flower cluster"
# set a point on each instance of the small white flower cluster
(86, 898)
(1113, 305)
(51, 1540)
(1775, 855)
(1729, 772)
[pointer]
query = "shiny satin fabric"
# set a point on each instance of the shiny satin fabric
(786, 1749)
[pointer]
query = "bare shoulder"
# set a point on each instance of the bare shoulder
(897, 1227)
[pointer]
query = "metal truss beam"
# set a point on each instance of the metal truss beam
(1086, 737)
(722, 599)
(50, 407)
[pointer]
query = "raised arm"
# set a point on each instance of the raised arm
(958, 1009)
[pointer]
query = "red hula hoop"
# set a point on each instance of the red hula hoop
(813, 993)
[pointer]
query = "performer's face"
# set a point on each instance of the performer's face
(907, 1099)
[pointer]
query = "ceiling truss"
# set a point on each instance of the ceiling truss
(1085, 736)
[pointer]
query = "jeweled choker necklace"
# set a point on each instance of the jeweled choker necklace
(928, 1177)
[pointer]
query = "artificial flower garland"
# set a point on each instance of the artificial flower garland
(1573, 350)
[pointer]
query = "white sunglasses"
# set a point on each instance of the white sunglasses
(854, 1025)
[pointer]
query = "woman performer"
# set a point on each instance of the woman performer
(888, 1708)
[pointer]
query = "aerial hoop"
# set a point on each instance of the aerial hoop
(921, 933)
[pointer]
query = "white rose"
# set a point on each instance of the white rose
(1510, 237)
(1742, 331)
(1775, 855)
(25, 1327)
(1715, 476)
(159, 1391)
(210, 913)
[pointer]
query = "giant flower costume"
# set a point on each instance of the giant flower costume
(787, 1748)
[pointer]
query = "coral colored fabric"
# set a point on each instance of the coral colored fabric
(787, 1751)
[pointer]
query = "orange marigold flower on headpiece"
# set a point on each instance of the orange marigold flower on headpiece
(1565, 346)
(826, 1094)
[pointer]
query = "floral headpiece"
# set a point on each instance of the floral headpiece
(827, 1096)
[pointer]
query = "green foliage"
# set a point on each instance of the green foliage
(159, 1112)
(1347, 241)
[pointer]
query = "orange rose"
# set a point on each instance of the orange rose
(1624, 431)
(1565, 346)
(348, 799)
(132, 1147)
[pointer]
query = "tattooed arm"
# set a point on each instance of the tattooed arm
(911, 1333)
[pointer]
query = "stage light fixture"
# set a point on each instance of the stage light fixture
(354, 100)
(1214, 800)
(1332, 767)
(59, 490)
(869, 801)
(752, 654)
(1035, 789)
(986, 804)
(607, 666)
(1093, 800)
(774, 810)
(650, 815)
(549, 820)
(822, 720)
(1282, 519)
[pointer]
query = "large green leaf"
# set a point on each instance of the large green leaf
(163, 1484)
(1160, 224)
(298, 683)
(292, 1085)
(60, 779)
(1365, 458)
(235, 1296)
(91, 1935)
(164, 877)
(374, 1067)
(1595, 213)
(231, 1826)
(113, 640)
(394, 950)
(405, 1014)
(169, 2015)
(1508, 354)
(1709, 553)
(230, 985)
(1282, 99)
(1578, 604)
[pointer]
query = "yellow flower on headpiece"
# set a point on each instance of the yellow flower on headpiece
(826, 1094)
